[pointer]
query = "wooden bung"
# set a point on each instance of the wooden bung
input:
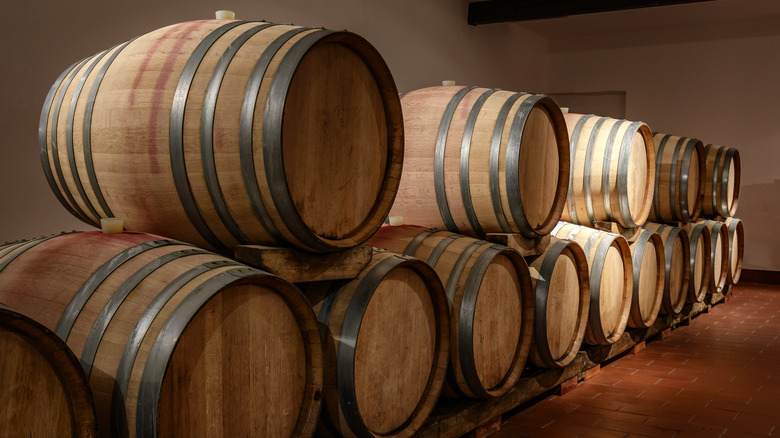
(225, 132)
(386, 347)
(722, 174)
(561, 301)
(173, 339)
(481, 160)
(736, 248)
(701, 261)
(719, 254)
(648, 261)
(677, 270)
(679, 179)
(611, 280)
(612, 171)
(42, 385)
(488, 288)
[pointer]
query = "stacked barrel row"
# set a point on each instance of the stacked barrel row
(221, 132)
(211, 134)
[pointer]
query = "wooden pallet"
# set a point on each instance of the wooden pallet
(456, 418)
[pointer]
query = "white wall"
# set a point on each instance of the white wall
(423, 42)
(723, 92)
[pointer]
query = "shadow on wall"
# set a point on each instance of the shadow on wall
(759, 209)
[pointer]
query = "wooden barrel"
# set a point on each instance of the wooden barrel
(224, 132)
(647, 259)
(481, 160)
(701, 262)
(719, 254)
(677, 272)
(736, 248)
(44, 390)
(721, 181)
(612, 171)
(174, 340)
(561, 300)
(611, 280)
(386, 344)
(489, 290)
(679, 178)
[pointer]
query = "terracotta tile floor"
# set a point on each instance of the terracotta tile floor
(717, 377)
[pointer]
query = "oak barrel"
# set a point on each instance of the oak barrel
(561, 285)
(612, 171)
(723, 170)
(488, 288)
(677, 271)
(174, 340)
(611, 280)
(225, 132)
(719, 254)
(481, 160)
(736, 248)
(701, 261)
(386, 347)
(44, 390)
(648, 262)
(679, 179)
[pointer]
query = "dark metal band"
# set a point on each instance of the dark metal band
(69, 139)
(466, 320)
(71, 205)
(596, 272)
(513, 166)
(686, 164)
(411, 248)
(160, 354)
(724, 183)
(10, 247)
(176, 136)
(586, 171)
(591, 240)
(207, 133)
(716, 204)
(439, 249)
(43, 144)
(656, 192)
(465, 150)
(457, 270)
(272, 141)
(495, 154)
(694, 242)
(87, 131)
(104, 318)
(133, 345)
(86, 290)
(345, 373)
(675, 193)
(622, 174)
(575, 138)
(540, 302)
(636, 264)
(246, 134)
(19, 250)
(605, 168)
(438, 159)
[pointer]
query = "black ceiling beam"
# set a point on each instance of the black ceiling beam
(501, 11)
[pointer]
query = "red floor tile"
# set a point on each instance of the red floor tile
(718, 377)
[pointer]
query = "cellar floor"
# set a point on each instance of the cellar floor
(717, 377)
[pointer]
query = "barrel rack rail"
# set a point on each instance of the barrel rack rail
(456, 418)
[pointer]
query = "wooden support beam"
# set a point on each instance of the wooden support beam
(487, 429)
(525, 246)
(501, 11)
(297, 266)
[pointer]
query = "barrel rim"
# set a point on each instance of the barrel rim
(639, 246)
(64, 364)
(273, 147)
